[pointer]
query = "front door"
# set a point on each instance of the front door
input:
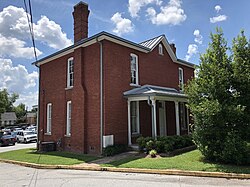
(162, 118)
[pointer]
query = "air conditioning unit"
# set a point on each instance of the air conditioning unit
(108, 140)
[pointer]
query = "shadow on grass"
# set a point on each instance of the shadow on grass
(120, 162)
(67, 155)
(228, 168)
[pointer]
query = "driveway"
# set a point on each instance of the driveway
(16, 147)
(15, 175)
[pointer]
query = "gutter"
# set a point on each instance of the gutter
(101, 94)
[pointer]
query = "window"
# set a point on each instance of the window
(49, 114)
(134, 69)
(181, 79)
(160, 49)
(70, 72)
(68, 127)
(183, 116)
(135, 117)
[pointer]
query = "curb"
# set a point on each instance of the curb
(132, 170)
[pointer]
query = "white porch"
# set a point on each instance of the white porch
(154, 96)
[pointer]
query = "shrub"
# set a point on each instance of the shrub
(164, 143)
(235, 150)
(114, 149)
(153, 153)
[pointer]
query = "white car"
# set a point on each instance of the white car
(26, 136)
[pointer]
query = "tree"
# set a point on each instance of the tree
(241, 79)
(214, 103)
(7, 100)
(20, 112)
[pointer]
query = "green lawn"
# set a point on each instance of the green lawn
(189, 161)
(49, 158)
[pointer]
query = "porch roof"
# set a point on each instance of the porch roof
(151, 90)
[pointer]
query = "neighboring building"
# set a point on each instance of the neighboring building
(31, 118)
(8, 118)
(105, 89)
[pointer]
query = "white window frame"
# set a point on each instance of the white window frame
(181, 79)
(69, 117)
(69, 84)
(137, 125)
(136, 83)
(160, 49)
(49, 118)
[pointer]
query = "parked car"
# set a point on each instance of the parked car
(7, 139)
(26, 136)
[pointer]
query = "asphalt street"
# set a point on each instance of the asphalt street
(14, 175)
(17, 146)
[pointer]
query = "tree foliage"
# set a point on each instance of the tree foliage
(7, 100)
(219, 100)
(20, 112)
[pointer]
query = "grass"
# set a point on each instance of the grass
(48, 158)
(192, 161)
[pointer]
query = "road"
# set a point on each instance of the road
(15, 175)
(17, 146)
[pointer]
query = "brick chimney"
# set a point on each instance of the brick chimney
(172, 45)
(80, 15)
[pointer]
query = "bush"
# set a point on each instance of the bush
(153, 153)
(235, 150)
(164, 143)
(114, 149)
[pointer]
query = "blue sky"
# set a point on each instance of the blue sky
(187, 23)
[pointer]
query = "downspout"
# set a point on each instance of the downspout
(101, 94)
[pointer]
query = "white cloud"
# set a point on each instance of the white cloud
(217, 8)
(198, 37)
(122, 25)
(134, 6)
(13, 23)
(13, 47)
(16, 78)
(171, 14)
(218, 18)
(192, 50)
(51, 33)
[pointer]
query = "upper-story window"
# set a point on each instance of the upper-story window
(160, 49)
(70, 72)
(181, 79)
(134, 69)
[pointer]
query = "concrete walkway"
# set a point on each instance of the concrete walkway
(106, 160)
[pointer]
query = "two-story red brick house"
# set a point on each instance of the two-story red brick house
(105, 89)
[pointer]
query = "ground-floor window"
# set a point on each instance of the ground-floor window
(68, 126)
(135, 117)
(183, 116)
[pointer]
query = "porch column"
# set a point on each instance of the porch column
(187, 119)
(154, 130)
(177, 120)
(129, 125)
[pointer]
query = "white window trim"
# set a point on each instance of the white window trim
(181, 84)
(68, 75)
(49, 120)
(160, 49)
(137, 118)
(68, 126)
(137, 71)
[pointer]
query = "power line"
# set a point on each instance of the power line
(30, 23)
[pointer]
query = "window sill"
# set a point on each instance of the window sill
(67, 136)
(47, 133)
(135, 85)
(69, 88)
(136, 134)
